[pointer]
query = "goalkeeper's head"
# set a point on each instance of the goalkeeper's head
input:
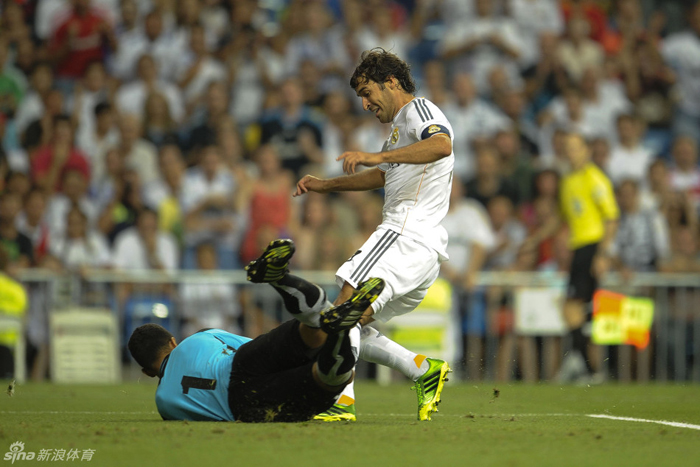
(149, 344)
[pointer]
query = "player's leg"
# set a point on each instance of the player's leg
(275, 378)
(408, 269)
(582, 285)
(428, 374)
(302, 298)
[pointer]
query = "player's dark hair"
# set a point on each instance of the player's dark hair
(147, 342)
(378, 65)
(102, 107)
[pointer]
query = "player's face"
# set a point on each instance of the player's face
(576, 151)
(377, 100)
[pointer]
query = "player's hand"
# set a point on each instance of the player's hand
(352, 159)
(308, 183)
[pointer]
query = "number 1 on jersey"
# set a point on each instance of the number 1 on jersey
(190, 382)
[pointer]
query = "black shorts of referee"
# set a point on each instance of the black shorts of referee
(582, 283)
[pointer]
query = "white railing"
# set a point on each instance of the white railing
(674, 352)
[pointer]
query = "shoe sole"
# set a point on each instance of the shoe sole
(347, 417)
(277, 253)
(347, 314)
(430, 408)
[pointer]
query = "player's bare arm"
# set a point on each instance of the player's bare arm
(422, 152)
(362, 181)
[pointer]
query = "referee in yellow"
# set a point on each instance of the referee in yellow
(588, 206)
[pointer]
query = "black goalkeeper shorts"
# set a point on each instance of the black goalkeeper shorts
(271, 379)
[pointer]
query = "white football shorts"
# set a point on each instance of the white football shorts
(407, 267)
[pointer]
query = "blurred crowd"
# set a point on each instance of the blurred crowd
(165, 134)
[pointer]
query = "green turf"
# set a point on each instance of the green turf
(520, 427)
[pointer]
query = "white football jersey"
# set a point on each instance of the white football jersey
(417, 196)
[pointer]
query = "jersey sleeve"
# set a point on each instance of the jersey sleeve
(425, 120)
(604, 197)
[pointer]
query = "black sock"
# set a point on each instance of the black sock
(336, 359)
(580, 344)
(311, 293)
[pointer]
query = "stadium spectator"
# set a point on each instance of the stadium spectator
(642, 242)
(12, 83)
(197, 68)
(97, 141)
(18, 246)
(158, 126)
(144, 246)
(215, 110)
(535, 18)
(316, 215)
(213, 306)
(338, 131)
(682, 53)
(163, 193)
(74, 193)
(50, 163)
(33, 223)
(656, 192)
(153, 40)
(80, 248)
(317, 42)
(32, 106)
(514, 105)
(18, 182)
(489, 180)
(104, 188)
(123, 204)
(81, 38)
(489, 40)
(14, 28)
(293, 129)
(474, 120)
(508, 230)
(435, 84)
(578, 52)
(255, 68)
(629, 159)
(685, 172)
(591, 12)
(137, 153)
(91, 90)
(516, 163)
(141, 247)
(546, 78)
(604, 100)
(269, 202)
(211, 201)
(685, 257)
(131, 96)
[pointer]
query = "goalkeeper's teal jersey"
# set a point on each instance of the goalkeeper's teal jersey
(194, 378)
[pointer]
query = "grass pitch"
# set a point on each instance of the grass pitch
(525, 425)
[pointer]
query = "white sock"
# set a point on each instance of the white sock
(377, 348)
(347, 397)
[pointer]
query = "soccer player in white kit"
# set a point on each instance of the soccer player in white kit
(415, 169)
